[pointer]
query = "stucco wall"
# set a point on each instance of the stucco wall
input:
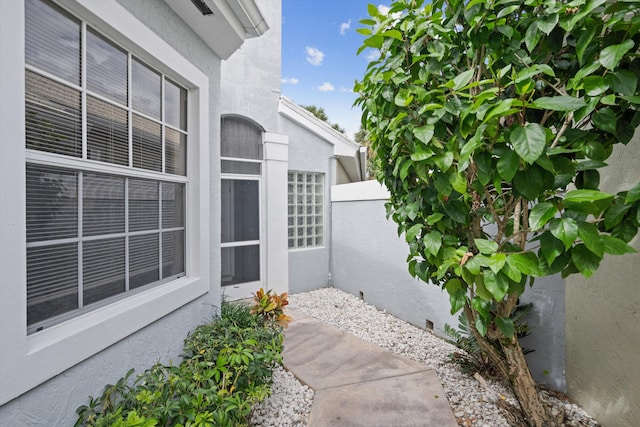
(369, 257)
(251, 77)
(603, 319)
(309, 268)
(54, 402)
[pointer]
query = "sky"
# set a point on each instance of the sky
(319, 62)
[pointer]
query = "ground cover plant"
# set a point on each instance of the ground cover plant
(490, 122)
(225, 370)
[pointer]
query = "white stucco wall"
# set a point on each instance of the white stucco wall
(309, 267)
(251, 77)
(603, 319)
(369, 257)
(54, 402)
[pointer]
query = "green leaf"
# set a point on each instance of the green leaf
(529, 141)
(585, 261)
(456, 294)
(532, 36)
(595, 85)
(580, 196)
(481, 326)
(550, 247)
(610, 56)
(403, 98)
(527, 263)
(512, 273)
(623, 82)
(507, 10)
(615, 214)
(496, 284)
(393, 34)
(558, 103)
(584, 41)
(481, 306)
(615, 246)
(633, 194)
(421, 153)
(506, 326)
(375, 41)
(434, 218)
(404, 170)
(424, 133)
(541, 214)
(605, 119)
(413, 232)
(547, 23)
(508, 165)
(497, 261)
(485, 246)
(462, 79)
(432, 242)
(481, 289)
(565, 230)
(444, 160)
(458, 182)
(591, 238)
(529, 183)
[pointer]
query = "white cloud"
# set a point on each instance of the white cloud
(290, 80)
(372, 55)
(326, 87)
(346, 89)
(314, 56)
(383, 9)
(344, 27)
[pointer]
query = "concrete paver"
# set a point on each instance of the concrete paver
(357, 383)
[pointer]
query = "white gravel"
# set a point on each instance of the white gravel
(290, 402)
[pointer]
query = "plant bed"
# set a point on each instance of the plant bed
(225, 371)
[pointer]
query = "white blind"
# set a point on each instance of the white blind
(94, 233)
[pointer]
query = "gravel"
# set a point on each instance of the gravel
(472, 403)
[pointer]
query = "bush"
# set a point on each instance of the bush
(226, 369)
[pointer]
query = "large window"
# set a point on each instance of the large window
(306, 208)
(106, 169)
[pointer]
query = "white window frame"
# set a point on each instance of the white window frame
(28, 360)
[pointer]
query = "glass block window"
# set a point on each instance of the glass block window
(106, 170)
(305, 209)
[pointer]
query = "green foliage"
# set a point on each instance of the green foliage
(473, 358)
(226, 369)
(321, 114)
(490, 122)
(482, 115)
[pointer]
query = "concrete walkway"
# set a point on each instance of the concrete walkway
(357, 383)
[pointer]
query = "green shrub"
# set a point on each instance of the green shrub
(226, 369)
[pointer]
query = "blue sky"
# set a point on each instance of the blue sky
(319, 62)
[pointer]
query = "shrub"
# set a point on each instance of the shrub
(226, 369)
(270, 306)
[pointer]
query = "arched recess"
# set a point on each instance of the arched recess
(242, 230)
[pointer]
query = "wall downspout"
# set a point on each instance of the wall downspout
(331, 180)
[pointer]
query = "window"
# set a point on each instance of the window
(106, 169)
(306, 209)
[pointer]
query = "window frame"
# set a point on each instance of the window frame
(28, 360)
(295, 247)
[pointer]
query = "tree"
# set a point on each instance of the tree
(322, 115)
(490, 121)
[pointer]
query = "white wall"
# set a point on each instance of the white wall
(369, 257)
(309, 267)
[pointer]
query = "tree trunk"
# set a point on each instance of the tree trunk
(524, 387)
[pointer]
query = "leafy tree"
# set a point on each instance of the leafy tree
(490, 121)
(322, 115)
